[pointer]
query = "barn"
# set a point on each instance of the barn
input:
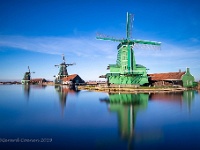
(184, 79)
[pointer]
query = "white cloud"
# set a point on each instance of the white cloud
(81, 47)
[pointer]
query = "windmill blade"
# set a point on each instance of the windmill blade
(129, 25)
(147, 42)
(71, 64)
(107, 38)
(28, 69)
(63, 56)
(147, 46)
(144, 44)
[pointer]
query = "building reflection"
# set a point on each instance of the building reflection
(180, 98)
(63, 91)
(188, 98)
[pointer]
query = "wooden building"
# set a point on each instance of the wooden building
(184, 79)
(38, 81)
(73, 79)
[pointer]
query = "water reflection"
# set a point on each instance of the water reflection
(27, 89)
(185, 97)
(173, 97)
(134, 121)
(63, 92)
(127, 106)
(188, 98)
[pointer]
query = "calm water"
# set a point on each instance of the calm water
(38, 117)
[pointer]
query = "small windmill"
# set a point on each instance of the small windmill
(126, 71)
(63, 70)
(27, 77)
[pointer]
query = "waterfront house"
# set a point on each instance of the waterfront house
(179, 78)
(72, 79)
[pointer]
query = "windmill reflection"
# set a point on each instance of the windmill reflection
(126, 106)
(26, 89)
(63, 91)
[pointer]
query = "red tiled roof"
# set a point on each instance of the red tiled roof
(70, 77)
(166, 76)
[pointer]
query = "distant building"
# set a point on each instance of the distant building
(38, 81)
(184, 79)
(72, 79)
(96, 82)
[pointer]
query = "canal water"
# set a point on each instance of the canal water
(54, 117)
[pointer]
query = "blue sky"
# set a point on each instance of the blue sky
(36, 32)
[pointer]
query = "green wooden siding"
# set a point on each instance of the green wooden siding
(188, 79)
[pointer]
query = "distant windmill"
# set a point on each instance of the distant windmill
(63, 70)
(27, 77)
(126, 71)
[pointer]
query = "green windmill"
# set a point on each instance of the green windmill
(27, 77)
(126, 71)
(63, 70)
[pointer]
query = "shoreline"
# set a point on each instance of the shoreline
(118, 89)
(133, 90)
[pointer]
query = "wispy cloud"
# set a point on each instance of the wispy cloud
(87, 47)
(81, 47)
(170, 51)
(171, 57)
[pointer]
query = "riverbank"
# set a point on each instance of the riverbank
(119, 88)
(131, 89)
